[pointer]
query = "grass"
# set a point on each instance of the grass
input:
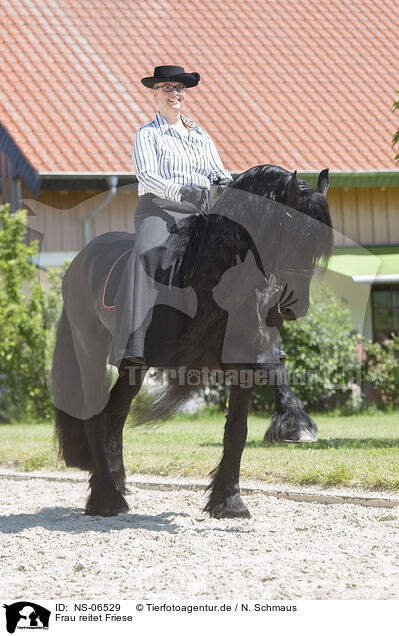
(361, 450)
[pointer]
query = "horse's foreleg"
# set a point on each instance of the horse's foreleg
(125, 390)
(289, 423)
(224, 499)
(104, 498)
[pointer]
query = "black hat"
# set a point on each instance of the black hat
(173, 74)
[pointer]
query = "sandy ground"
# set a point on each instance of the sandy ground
(166, 547)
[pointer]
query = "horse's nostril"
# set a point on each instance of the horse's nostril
(288, 314)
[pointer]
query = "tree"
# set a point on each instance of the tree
(23, 333)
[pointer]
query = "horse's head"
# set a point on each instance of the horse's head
(299, 221)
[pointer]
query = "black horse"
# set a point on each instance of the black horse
(273, 218)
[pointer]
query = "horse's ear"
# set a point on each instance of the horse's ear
(292, 192)
(323, 182)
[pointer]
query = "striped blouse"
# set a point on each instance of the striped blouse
(164, 160)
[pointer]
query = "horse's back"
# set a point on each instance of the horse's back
(103, 249)
(89, 269)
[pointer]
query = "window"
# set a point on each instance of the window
(385, 299)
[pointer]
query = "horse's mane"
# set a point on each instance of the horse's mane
(268, 180)
(249, 201)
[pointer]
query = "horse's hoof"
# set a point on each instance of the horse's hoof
(110, 508)
(292, 427)
(232, 508)
(297, 437)
(105, 511)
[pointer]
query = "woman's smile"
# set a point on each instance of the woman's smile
(169, 103)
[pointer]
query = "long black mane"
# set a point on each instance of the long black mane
(268, 180)
(272, 182)
(245, 200)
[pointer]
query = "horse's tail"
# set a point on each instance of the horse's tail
(69, 431)
(155, 407)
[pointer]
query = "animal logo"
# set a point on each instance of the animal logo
(26, 615)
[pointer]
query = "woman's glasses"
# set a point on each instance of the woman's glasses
(168, 88)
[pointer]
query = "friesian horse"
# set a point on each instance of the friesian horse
(267, 216)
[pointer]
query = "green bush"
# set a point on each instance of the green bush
(381, 370)
(321, 350)
(321, 357)
(23, 342)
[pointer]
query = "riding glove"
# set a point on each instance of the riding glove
(193, 194)
(221, 184)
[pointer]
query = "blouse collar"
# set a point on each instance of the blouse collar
(164, 126)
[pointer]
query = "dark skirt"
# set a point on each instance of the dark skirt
(154, 277)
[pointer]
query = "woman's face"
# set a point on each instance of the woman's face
(169, 102)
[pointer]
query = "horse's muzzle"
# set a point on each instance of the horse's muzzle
(298, 310)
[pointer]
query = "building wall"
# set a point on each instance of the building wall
(60, 216)
(356, 297)
(365, 215)
(369, 216)
(5, 170)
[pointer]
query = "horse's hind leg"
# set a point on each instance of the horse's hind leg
(125, 390)
(224, 499)
(289, 423)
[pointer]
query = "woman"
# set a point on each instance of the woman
(175, 162)
(174, 158)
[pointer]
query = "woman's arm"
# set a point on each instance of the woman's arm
(145, 164)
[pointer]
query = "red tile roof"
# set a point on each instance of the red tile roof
(305, 85)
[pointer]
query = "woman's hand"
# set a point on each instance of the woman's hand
(194, 194)
(223, 182)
